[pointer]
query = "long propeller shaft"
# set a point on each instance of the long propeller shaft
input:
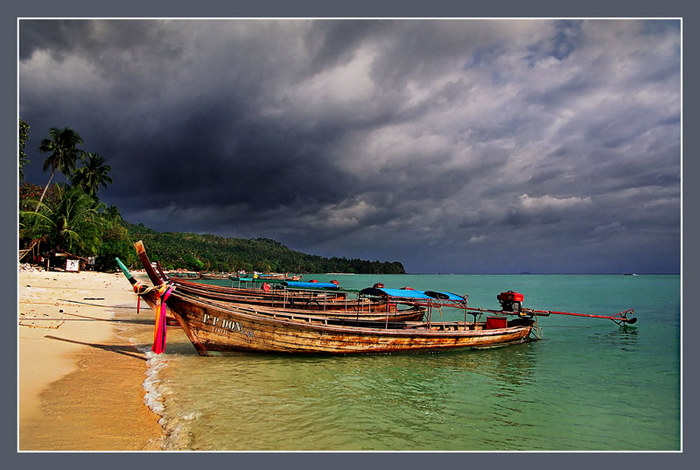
(622, 317)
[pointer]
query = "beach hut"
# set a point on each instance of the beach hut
(67, 261)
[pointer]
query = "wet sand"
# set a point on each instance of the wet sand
(79, 384)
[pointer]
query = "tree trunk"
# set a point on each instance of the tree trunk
(45, 188)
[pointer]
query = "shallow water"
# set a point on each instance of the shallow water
(587, 385)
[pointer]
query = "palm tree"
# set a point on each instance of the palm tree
(64, 153)
(73, 221)
(23, 138)
(35, 227)
(76, 221)
(93, 175)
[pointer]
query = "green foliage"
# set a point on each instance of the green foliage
(78, 221)
(217, 254)
(35, 218)
(68, 219)
(35, 225)
(115, 244)
(23, 138)
(112, 213)
(71, 222)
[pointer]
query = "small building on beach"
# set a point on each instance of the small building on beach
(61, 259)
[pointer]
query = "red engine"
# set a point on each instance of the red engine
(510, 301)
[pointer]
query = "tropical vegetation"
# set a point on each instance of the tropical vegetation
(92, 175)
(212, 253)
(64, 152)
(70, 217)
(23, 137)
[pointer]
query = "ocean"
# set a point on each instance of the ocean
(587, 385)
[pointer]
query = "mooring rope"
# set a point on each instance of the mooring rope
(87, 303)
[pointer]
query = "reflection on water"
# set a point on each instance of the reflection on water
(626, 338)
(328, 402)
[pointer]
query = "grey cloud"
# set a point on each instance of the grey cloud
(384, 139)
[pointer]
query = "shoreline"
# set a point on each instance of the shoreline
(80, 385)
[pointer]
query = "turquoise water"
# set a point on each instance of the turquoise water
(587, 385)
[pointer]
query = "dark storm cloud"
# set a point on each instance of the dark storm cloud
(450, 145)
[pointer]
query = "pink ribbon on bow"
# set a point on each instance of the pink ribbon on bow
(160, 330)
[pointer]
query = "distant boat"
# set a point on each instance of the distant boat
(214, 276)
(184, 275)
(277, 276)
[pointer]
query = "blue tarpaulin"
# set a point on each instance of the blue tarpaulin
(445, 295)
(310, 285)
(412, 294)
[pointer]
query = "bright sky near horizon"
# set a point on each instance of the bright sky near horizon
(452, 146)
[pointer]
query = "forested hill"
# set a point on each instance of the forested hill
(218, 254)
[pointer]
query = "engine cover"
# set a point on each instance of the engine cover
(510, 296)
(511, 301)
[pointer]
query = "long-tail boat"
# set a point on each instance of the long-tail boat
(277, 276)
(295, 297)
(219, 326)
(301, 294)
(213, 325)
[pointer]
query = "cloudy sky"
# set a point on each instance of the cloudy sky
(452, 146)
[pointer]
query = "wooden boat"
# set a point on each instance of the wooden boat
(214, 276)
(184, 275)
(288, 299)
(293, 292)
(277, 276)
(334, 304)
(218, 326)
(214, 325)
(347, 310)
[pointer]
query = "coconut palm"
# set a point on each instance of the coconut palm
(23, 138)
(76, 221)
(92, 175)
(73, 221)
(35, 226)
(63, 145)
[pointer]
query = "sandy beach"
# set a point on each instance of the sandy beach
(79, 384)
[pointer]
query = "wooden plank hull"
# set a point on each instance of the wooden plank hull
(215, 327)
(235, 293)
(331, 303)
(304, 300)
(389, 313)
(414, 313)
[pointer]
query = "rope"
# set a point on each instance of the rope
(141, 290)
(73, 302)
